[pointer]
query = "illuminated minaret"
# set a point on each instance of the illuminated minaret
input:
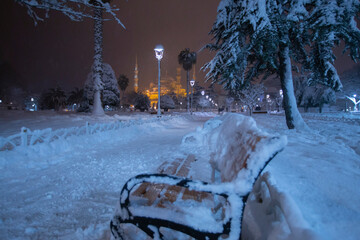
(136, 78)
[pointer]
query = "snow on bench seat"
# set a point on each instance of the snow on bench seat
(179, 167)
(238, 152)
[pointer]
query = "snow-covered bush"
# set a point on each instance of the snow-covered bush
(110, 93)
(166, 102)
(141, 102)
(315, 95)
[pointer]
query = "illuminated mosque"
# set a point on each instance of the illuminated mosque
(168, 86)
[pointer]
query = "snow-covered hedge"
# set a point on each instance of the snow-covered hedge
(28, 137)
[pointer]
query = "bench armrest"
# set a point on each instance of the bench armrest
(126, 215)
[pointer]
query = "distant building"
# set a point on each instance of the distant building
(168, 86)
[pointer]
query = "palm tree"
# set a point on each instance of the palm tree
(187, 59)
(57, 97)
(76, 96)
(123, 82)
(98, 62)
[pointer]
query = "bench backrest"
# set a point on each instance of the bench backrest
(238, 148)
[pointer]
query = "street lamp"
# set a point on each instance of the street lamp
(202, 93)
(192, 83)
(159, 52)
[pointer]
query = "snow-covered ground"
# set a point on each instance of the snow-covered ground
(68, 189)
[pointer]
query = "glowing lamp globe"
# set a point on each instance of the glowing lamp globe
(159, 52)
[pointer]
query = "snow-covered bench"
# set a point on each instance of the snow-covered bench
(238, 152)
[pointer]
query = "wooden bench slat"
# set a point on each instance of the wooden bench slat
(179, 167)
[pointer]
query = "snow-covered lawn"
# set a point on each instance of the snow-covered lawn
(69, 189)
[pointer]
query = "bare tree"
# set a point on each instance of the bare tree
(249, 96)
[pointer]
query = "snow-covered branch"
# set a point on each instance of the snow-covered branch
(76, 10)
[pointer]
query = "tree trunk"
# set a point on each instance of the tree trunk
(306, 108)
(98, 71)
(187, 91)
(320, 107)
(293, 117)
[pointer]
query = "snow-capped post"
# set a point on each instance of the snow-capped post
(87, 128)
(159, 52)
(24, 136)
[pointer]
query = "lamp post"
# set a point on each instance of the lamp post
(159, 52)
(192, 83)
(202, 99)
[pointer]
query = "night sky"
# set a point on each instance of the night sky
(59, 52)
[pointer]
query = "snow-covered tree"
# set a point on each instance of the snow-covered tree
(98, 61)
(330, 22)
(123, 82)
(317, 96)
(166, 102)
(263, 36)
(76, 10)
(203, 102)
(229, 100)
(141, 102)
(249, 95)
(110, 92)
(314, 95)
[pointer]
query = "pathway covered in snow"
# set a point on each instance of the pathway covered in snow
(69, 190)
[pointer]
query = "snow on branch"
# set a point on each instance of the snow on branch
(76, 10)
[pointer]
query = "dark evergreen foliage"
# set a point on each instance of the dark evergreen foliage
(260, 38)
